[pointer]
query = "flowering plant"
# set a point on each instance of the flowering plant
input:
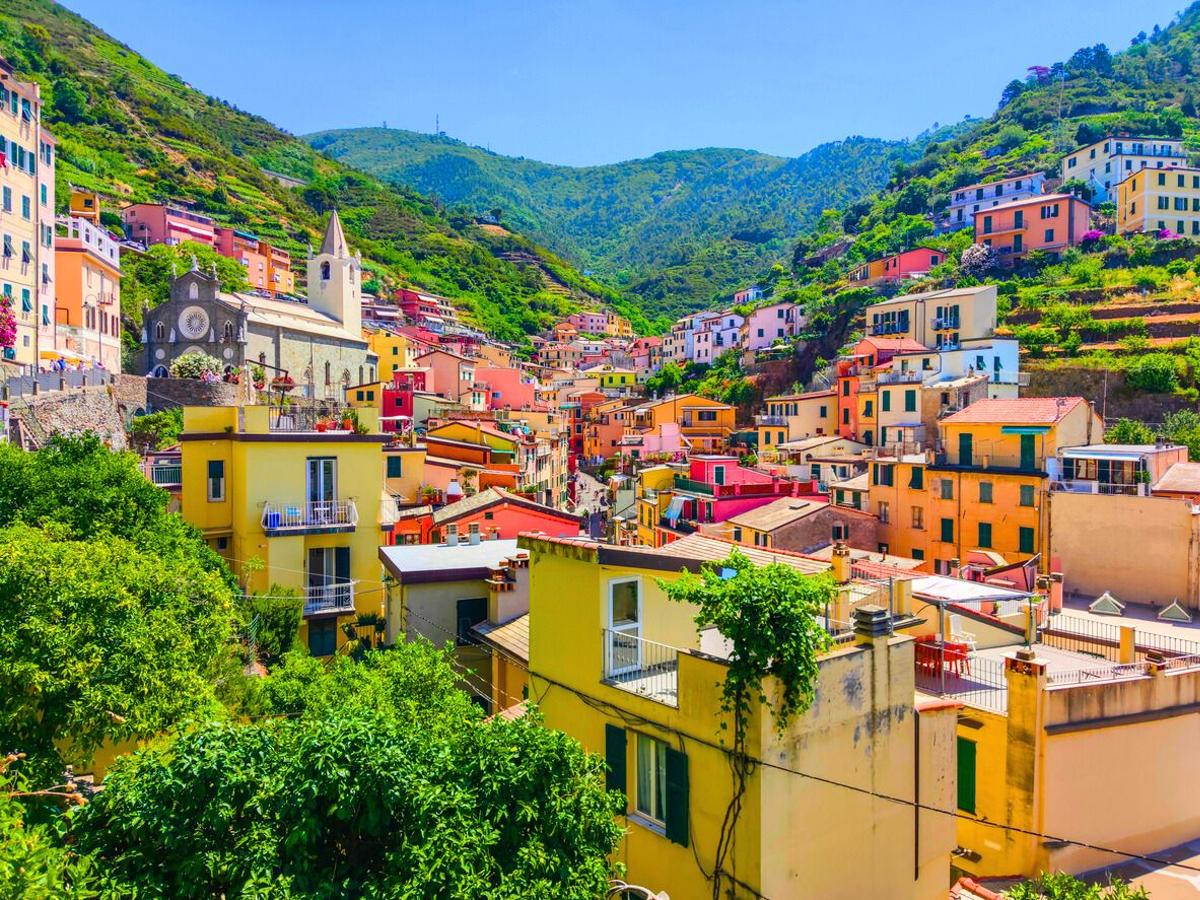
(8, 322)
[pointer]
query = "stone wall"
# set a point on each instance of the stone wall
(1113, 398)
(71, 412)
(167, 393)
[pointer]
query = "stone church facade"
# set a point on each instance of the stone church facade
(318, 343)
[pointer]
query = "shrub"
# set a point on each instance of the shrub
(1154, 372)
(195, 365)
(278, 613)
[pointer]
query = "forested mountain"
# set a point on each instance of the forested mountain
(133, 132)
(677, 229)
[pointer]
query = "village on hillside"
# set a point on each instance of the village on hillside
(1010, 619)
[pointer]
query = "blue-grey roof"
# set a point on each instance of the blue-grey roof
(415, 563)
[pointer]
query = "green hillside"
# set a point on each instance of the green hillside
(676, 229)
(133, 132)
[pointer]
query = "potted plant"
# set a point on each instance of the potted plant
(283, 383)
(259, 374)
(322, 425)
(347, 422)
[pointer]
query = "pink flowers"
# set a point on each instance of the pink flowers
(8, 322)
(1092, 236)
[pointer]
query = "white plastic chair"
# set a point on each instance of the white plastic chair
(959, 635)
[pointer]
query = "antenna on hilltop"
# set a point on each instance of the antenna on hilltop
(437, 123)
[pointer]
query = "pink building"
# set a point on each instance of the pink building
(507, 387)
(642, 442)
(718, 487)
(399, 396)
(768, 324)
(157, 223)
(589, 322)
(450, 375)
(245, 248)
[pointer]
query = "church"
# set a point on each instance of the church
(317, 342)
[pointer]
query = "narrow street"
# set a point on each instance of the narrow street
(591, 497)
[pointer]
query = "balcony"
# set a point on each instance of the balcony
(329, 599)
(1131, 489)
(642, 667)
(167, 475)
(306, 418)
(695, 487)
(770, 420)
(913, 377)
(314, 517)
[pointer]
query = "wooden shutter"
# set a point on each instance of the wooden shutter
(966, 775)
(341, 564)
(614, 755)
(677, 797)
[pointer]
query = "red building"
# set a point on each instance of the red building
(492, 514)
(398, 397)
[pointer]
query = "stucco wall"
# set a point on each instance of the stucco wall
(1096, 539)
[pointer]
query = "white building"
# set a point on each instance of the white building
(1107, 162)
(968, 200)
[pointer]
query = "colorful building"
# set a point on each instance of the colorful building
(936, 319)
(1157, 200)
(158, 223)
(27, 165)
(87, 306)
(705, 424)
(243, 248)
(800, 525)
(262, 484)
(913, 263)
(1109, 161)
(625, 671)
(967, 201)
(1049, 222)
(771, 323)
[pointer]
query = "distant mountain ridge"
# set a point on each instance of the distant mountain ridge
(676, 228)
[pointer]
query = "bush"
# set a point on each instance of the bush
(278, 613)
(195, 365)
(157, 430)
(1154, 372)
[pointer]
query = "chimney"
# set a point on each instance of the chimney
(473, 532)
(871, 622)
(841, 562)
(451, 535)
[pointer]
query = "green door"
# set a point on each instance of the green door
(966, 775)
(965, 448)
(1027, 451)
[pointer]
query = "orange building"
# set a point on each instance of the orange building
(244, 248)
(1051, 222)
(280, 278)
(908, 264)
(87, 295)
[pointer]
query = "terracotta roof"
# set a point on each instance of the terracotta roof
(1022, 411)
(778, 513)
(1182, 478)
(707, 548)
(898, 344)
(511, 637)
(490, 497)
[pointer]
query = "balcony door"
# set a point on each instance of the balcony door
(322, 487)
(623, 648)
(328, 577)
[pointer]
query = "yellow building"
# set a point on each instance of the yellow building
(395, 351)
(936, 318)
(265, 487)
(706, 424)
(365, 396)
(616, 379)
(986, 490)
(618, 326)
(623, 670)
(793, 417)
(26, 219)
(495, 355)
(1160, 200)
(653, 493)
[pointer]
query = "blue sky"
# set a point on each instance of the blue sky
(594, 81)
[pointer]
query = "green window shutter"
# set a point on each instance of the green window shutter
(614, 755)
(885, 401)
(395, 467)
(1027, 495)
(677, 797)
(917, 479)
(966, 775)
(341, 564)
(1025, 537)
(910, 401)
(985, 535)
(948, 531)
(216, 468)
(875, 473)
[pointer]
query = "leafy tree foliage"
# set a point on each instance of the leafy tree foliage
(1061, 886)
(364, 789)
(1129, 431)
(1155, 372)
(157, 430)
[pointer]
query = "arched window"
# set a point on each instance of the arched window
(360, 374)
(325, 271)
(160, 332)
(345, 377)
(160, 371)
(193, 291)
(328, 374)
(228, 332)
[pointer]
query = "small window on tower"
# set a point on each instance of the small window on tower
(325, 271)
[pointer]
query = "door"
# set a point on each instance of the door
(623, 649)
(718, 474)
(322, 488)
(966, 448)
(328, 579)
(1027, 451)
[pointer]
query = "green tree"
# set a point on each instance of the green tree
(357, 797)
(274, 618)
(1183, 427)
(157, 430)
(666, 380)
(101, 641)
(1153, 372)
(1129, 431)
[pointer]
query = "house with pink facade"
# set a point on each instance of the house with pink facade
(507, 387)
(646, 441)
(589, 322)
(450, 374)
(768, 324)
(157, 223)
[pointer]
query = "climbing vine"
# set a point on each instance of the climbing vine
(769, 615)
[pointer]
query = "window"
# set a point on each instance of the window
(395, 467)
(885, 401)
(947, 532)
(947, 492)
(1049, 236)
(883, 475)
(1027, 495)
(985, 535)
(26, 207)
(216, 480)
(916, 478)
(1025, 540)
(966, 775)
(468, 613)
(322, 637)
(883, 512)
(985, 492)
(917, 554)
(910, 401)
(661, 794)
(987, 224)
(1164, 203)
(1019, 219)
(737, 535)
(918, 518)
(868, 409)
(1162, 178)
(822, 412)
(840, 531)
(845, 388)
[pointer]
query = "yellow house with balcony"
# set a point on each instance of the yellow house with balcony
(395, 351)
(986, 489)
(264, 485)
(623, 670)
(936, 319)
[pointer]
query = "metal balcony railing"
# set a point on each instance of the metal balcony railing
(282, 517)
(642, 667)
(305, 418)
(167, 474)
(329, 598)
(770, 420)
